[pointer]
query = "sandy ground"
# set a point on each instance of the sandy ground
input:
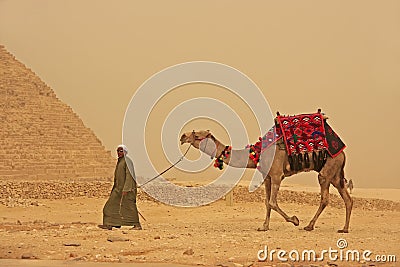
(63, 231)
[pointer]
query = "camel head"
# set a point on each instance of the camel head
(195, 137)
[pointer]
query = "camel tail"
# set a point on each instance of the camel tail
(342, 178)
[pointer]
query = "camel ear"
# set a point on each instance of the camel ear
(208, 130)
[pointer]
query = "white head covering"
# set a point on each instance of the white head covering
(124, 148)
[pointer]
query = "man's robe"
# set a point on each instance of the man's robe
(121, 210)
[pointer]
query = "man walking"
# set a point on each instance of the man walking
(120, 208)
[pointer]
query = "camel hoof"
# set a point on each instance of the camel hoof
(295, 221)
(308, 228)
(345, 231)
(262, 229)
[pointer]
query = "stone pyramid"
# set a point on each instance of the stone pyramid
(41, 138)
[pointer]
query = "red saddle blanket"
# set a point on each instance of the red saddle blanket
(309, 132)
(302, 134)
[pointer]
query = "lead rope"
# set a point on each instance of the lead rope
(158, 175)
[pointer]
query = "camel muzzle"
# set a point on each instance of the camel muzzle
(183, 139)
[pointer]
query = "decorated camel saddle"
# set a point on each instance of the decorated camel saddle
(304, 136)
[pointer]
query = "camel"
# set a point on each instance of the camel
(331, 173)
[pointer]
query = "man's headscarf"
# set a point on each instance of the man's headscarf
(124, 148)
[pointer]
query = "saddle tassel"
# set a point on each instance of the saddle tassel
(300, 162)
(306, 161)
(315, 160)
(295, 163)
(290, 157)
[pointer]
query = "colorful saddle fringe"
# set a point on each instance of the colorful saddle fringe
(273, 135)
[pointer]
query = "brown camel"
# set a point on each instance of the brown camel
(331, 173)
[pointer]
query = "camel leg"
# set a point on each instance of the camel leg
(274, 204)
(324, 184)
(348, 201)
(265, 226)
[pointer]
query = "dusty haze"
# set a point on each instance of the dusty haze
(340, 56)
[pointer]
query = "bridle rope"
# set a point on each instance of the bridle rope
(173, 165)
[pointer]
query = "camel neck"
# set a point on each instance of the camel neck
(239, 160)
(219, 148)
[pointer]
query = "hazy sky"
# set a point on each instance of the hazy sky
(341, 56)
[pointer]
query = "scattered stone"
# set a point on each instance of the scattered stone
(28, 256)
(123, 259)
(227, 264)
(188, 252)
(117, 239)
(25, 193)
(157, 237)
(332, 264)
(71, 244)
(83, 258)
(248, 264)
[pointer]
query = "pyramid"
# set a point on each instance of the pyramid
(41, 138)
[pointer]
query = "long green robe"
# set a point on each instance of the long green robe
(121, 210)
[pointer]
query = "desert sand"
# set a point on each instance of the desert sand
(63, 230)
